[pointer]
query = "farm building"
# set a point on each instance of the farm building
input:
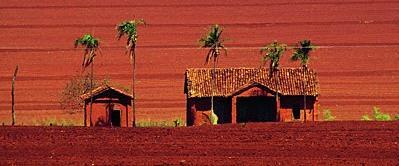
(249, 95)
(110, 107)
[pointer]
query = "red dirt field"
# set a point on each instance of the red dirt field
(357, 61)
(322, 143)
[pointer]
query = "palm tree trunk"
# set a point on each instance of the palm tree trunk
(277, 99)
(304, 94)
(133, 90)
(91, 93)
(213, 87)
(12, 96)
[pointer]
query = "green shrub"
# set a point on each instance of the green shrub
(213, 118)
(178, 122)
(149, 123)
(327, 115)
(377, 116)
(397, 117)
(154, 124)
(366, 118)
(53, 121)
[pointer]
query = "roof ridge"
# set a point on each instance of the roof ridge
(102, 88)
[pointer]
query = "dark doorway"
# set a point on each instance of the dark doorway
(116, 118)
(296, 112)
(256, 109)
(222, 107)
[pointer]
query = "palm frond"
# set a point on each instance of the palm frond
(77, 43)
(129, 29)
(302, 51)
(273, 52)
(223, 48)
(208, 56)
(85, 54)
(90, 45)
(213, 40)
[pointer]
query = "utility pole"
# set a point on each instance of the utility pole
(12, 95)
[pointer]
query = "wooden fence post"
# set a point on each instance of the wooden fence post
(12, 95)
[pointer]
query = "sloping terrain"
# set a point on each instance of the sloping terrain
(356, 61)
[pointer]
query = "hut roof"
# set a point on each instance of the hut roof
(107, 91)
(230, 80)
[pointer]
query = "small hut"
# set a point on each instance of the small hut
(110, 107)
(249, 95)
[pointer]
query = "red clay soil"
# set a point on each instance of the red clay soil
(343, 143)
(357, 60)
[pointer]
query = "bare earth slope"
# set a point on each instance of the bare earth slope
(343, 143)
(357, 60)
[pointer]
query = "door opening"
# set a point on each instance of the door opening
(256, 109)
(116, 118)
(296, 112)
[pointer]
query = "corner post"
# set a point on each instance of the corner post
(84, 113)
(234, 109)
(278, 119)
(314, 109)
(127, 115)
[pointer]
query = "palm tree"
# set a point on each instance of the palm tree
(213, 40)
(273, 52)
(302, 53)
(91, 45)
(129, 28)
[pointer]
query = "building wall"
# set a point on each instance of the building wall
(199, 110)
(288, 103)
(297, 101)
(100, 115)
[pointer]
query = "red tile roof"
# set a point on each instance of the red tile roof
(230, 80)
(101, 89)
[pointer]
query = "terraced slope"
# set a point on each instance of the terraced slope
(356, 61)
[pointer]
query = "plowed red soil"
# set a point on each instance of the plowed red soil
(357, 60)
(343, 143)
